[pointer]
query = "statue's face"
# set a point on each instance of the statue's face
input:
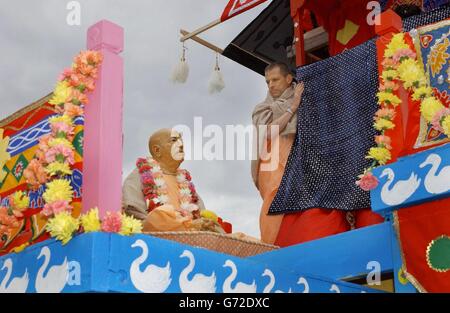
(276, 82)
(172, 147)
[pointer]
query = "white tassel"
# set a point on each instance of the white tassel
(180, 72)
(216, 82)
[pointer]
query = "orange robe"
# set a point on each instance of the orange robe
(269, 181)
(166, 217)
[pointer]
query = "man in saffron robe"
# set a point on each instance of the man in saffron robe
(276, 122)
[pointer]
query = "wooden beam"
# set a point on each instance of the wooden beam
(200, 30)
(315, 38)
(202, 42)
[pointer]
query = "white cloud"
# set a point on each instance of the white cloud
(37, 44)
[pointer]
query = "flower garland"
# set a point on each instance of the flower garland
(56, 154)
(400, 65)
(155, 190)
(63, 226)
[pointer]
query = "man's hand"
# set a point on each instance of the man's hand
(297, 96)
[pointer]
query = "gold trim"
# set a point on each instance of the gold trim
(428, 254)
(434, 26)
(28, 108)
(408, 276)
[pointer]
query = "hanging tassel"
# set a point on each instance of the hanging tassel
(216, 82)
(180, 72)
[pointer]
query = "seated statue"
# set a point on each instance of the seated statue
(161, 194)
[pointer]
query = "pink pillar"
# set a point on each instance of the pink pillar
(102, 170)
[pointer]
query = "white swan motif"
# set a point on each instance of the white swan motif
(240, 287)
(56, 277)
(440, 183)
(335, 288)
(17, 284)
(153, 279)
(304, 282)
(271, 283)
(199, 283)
(401, 191)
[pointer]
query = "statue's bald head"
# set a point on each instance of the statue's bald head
(157, 138)
(166, 145)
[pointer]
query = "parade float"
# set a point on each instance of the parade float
(61, 225)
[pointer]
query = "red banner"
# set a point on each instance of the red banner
(235, 7)
(424, 235)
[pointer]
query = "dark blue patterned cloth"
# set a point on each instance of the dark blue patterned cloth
(433, 4)
(335, 130)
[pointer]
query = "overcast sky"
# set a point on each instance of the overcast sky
(36, 44)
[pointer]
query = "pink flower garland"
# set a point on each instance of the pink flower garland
(79, 80)
(155, 190)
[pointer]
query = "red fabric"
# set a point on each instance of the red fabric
(317, 223)
(235, 7)
(419, 225)
(366, 217)
(331, 14)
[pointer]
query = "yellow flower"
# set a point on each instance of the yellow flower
(429, 107)
(389, 74)
(4, 155)
(60, 141)
(90, 221)
(62, 226)
(61, 93)
(209, 215)
(397, 43)
(20, 248)
(382, 155)
(389, 98)
(58, 189)
(130, 225)
(422, 92)
(446, 125)
(411, 73)
(383, 124)
(58, 168)
(61, 118)
(20, 200)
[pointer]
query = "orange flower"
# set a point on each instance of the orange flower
(7, 222)
(72, 110)
(388, 85)
(388, 114)
(77, 97)
(86, 69)
(35, 174)
(89, 57)
(383, 140)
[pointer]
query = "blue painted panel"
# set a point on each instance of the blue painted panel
(338, 257)
(50, 267)
(414, 179)
(157, 265)
(101, 262)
